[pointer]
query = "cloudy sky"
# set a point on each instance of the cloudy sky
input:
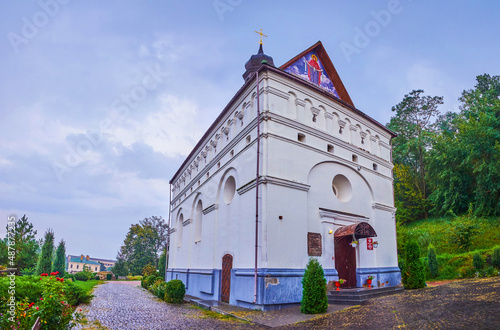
(100, 101)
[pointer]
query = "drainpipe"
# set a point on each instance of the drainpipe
(257, 191)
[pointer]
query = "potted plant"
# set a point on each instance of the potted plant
(375, 244)
(354, 244)
(338, 283)
(369, 280)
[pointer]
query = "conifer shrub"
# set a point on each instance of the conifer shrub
(175, 291)
(413, 276)
(495, 257)
(477, 261)
(109, 277)
(432, 261)
(314, 299)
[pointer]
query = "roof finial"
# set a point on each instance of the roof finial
(261, 35)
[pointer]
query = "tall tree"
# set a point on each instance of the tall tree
(120, 267)
(60, 261)
(414, 123)
(138, 248)
(25, 245)
(162, 263)
(45, 260)
(160, 227)
(465, 159)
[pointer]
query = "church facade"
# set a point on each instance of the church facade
(325, 190)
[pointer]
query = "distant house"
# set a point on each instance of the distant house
(75, 264)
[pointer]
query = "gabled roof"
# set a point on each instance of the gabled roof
(329, 71)
(84, 261)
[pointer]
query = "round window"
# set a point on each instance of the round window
(342, 188)
(229, 189)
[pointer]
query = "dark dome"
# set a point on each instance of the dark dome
(255, 61)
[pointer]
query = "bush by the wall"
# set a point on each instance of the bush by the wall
(412, 275)
(109, 277)
(495, 257)
(174, 291)
(314, 299)
(477, 261)
(432, 261)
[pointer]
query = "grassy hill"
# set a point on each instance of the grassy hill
(447, 236)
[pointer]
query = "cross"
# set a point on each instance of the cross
(261, 35)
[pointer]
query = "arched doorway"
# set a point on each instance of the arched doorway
(225, 289)
(345, 254)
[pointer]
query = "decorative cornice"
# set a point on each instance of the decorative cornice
(277, 92)
(341, 216)
(383, 207)
(300, 102)
(328, 115)
(186, 222)
(172, 230)
(275, 181)
(210, 208)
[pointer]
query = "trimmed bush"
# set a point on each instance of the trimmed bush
(432, 261)
(413, 276)
(81, 276)
(495, 257)
(174, 291)
(160, 290)
(314, 299)
(109, 277)
(97, 277)
(477, 261)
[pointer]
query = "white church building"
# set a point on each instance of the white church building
(289, 170)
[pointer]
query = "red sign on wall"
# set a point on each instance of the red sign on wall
(369, 243)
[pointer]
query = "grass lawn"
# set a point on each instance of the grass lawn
(88, 285)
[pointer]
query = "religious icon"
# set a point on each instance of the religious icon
(313, 70)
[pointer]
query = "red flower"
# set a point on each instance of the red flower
(40, 278)
(44, 274)
(62, 279)
(50, 278)
(37, 308)
(57, 272)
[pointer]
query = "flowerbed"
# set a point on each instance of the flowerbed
(48, 297)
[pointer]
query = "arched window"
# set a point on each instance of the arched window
(180, 220)
(198, 221)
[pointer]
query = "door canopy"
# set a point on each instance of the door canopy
(358, 230)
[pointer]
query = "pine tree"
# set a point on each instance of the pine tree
(60, 262)
(413, 276)
(432, 261)
(314, 299)
(45, 260)
(162, 264)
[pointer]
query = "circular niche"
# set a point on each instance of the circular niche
(229, 189)
(342, 188)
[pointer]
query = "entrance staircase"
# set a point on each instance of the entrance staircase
(358, 296)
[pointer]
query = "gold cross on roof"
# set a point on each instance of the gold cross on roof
(261, 35)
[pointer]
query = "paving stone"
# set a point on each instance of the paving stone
(125, 305)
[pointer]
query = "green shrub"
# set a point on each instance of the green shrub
(495, 257)
(97, 277)
(109, 277)
(76, 295)
(413, 276)
(174, 291)
(314, 299)
(432, 261)
(160, 289)
(477, 261)
(81, 276)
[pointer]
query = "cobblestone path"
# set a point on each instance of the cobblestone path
(124, 305)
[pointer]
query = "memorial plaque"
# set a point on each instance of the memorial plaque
(314, 247)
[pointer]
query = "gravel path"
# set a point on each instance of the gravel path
(124, 305)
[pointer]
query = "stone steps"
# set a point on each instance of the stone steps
(357, 296)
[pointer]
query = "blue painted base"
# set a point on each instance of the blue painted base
(276, 288)
(383, 276)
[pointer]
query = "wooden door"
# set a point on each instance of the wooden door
(225, 289)
(345, 260)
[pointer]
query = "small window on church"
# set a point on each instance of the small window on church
(342, 188)
(199, 183)
(375, 167)
(329, 148)
(301, 137)
(249, 139)
(218, 165)
(231, 153)
(208, 175)
(355, 158)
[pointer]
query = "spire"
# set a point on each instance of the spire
(256, 60)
